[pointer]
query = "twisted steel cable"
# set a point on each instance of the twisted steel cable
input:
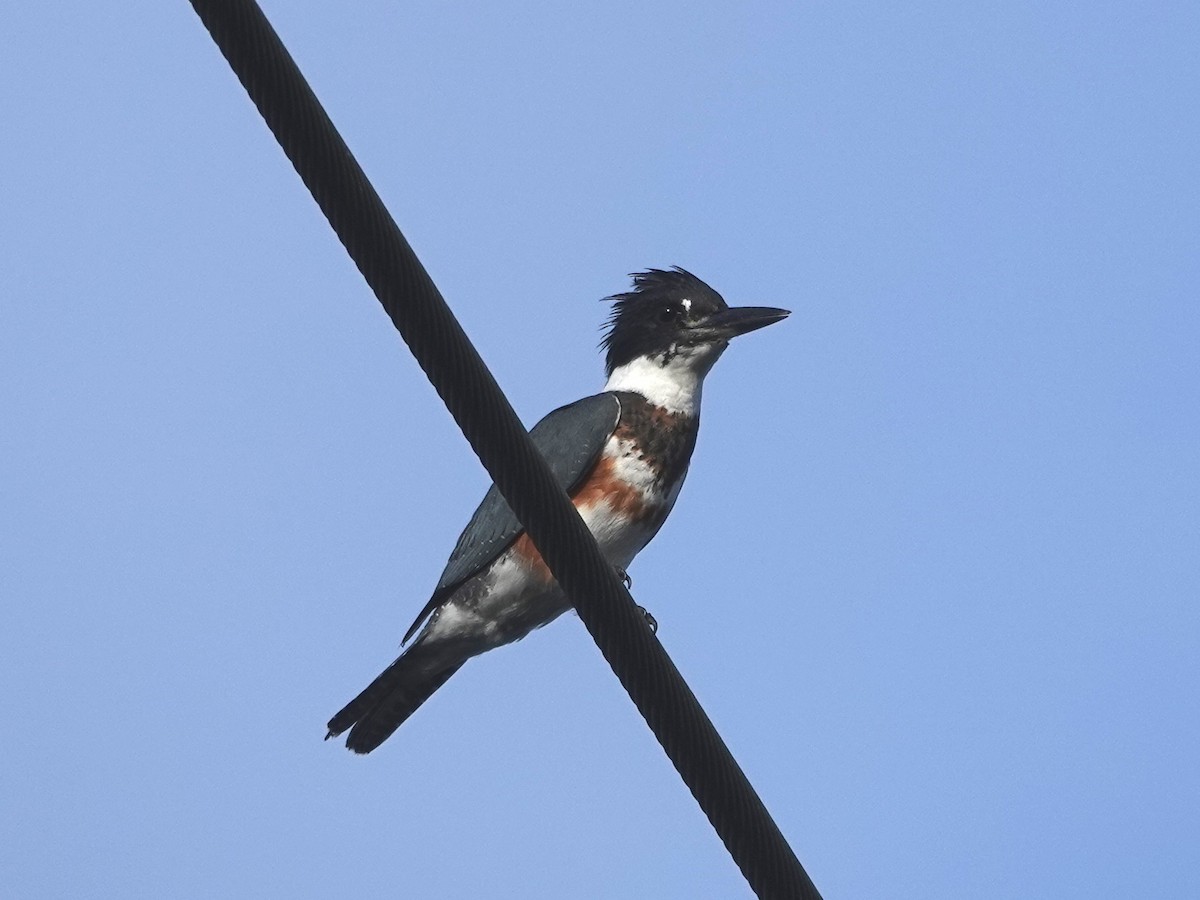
(453, 366)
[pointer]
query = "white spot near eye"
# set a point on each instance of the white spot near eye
(687, 304)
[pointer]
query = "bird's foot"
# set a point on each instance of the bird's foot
(651, 622)
(628, 582)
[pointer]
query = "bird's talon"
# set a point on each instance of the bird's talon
(650, 620)
(625, 579)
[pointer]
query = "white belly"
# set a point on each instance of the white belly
(516, 594)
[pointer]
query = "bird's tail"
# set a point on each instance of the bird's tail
(391, 698)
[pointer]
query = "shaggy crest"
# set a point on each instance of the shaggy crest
(661, 301)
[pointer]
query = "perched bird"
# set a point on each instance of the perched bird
(621, 456)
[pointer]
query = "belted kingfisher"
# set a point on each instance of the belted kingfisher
(621, 456)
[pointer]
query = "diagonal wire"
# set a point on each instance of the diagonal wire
(444, 352)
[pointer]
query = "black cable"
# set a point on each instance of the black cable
(442, 349)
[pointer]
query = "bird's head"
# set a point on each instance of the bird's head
(671, 317)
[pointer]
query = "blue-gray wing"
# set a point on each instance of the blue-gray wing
(570, 439)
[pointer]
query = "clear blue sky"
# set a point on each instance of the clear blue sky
(935, 573)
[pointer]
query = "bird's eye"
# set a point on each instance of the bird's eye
(669, 313)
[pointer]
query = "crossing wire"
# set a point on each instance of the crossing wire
(409, 296)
